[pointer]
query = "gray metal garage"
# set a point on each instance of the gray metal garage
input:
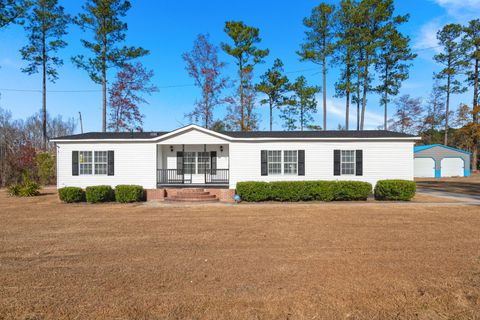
(437, 160)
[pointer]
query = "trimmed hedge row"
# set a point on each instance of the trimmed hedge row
(304, 191)
(98, 194)
(403, 190)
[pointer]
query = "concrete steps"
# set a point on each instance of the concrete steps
(192, 195)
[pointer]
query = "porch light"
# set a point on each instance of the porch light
(221, 148)
(171, 148)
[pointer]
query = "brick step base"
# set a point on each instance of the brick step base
(192, 195)
(169, 199)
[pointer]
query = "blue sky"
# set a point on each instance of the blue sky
(168, 28)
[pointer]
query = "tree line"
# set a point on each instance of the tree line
(362, 38)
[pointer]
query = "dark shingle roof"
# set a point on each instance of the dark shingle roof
(112, 135)
(240, 135)
(318, 134)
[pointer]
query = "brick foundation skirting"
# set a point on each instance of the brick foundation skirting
(224, 195)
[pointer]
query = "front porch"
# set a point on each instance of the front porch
(195, 165)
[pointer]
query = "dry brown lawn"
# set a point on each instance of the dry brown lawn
(299, 261)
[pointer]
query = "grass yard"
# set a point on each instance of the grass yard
(296, 261)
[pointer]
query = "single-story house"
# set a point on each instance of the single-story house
(197, 157)
(438, 160)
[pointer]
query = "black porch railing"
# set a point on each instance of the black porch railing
(179, 176)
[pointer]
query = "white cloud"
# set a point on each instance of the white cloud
(460, 9)
(427, 36)
(336, 115)
(9, 63)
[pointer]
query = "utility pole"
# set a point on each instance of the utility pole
(81, 122)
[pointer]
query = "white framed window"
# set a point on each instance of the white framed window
(274, 161)
(290, 162)
(85, 162)
(203, 162)
(101, 162)
(347, 162)
(190, 162)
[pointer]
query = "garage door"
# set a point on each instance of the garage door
(452, 167)
(424, 168)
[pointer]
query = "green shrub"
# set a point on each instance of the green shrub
(128, 193)
(29, 189)
(403, 190)
(26, 189)
(351, 190)
(322, 190)
(253, 191)
(14, 190)
(304, 190)
(95, 194)
(71, 194)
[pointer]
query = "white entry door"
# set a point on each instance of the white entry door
(424, 168)
(452, 167)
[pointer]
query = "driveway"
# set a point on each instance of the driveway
(461, 188)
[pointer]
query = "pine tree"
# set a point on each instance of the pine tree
(46, 28)
(103, 18)
(246, 56)
(12, 11)
(376, 19)
(452, 58)
(205, 68)
(274, 85)
(392, 65)
(471, 41)
(301, 107)
(319, 43)
(344, 54)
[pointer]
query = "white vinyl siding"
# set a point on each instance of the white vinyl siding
(135, 163)
(347, 162)
(381, 160)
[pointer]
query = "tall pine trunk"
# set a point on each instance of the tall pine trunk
(44, 91)
(447, 111)
(385, 111)
(365, 90)
(475, 116)
(324, 89)
(358, 103)
(271, 115)
(347, 97)
(104, 84)
(385, 101)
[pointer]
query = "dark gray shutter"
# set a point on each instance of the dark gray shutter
(179, 162)
(111, 163)
(213, 162)
(264, 163)
(74, 163)
(336, 162)
(301, 162)
(359, 163)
